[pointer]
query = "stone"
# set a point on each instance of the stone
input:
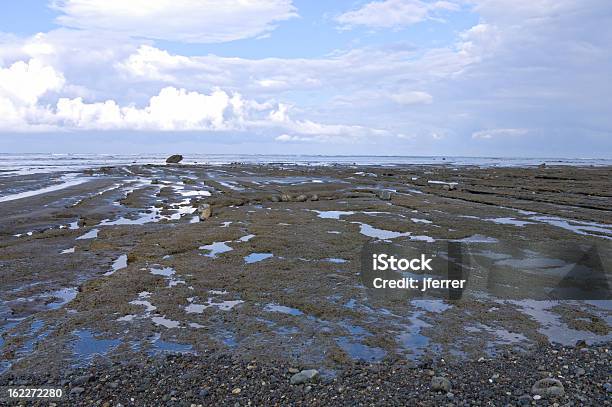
(524, 400)
(304, 376)
(205, 211)
(275, 198)
(301, 198)
(384, 194)
(580, 372)
(77, 390)
(293, 370)
(285, 197)
(174, 159)
(581, 343)
(80, 380)
(440, 384)
(314, 197)
(548, 387)
(237, 390)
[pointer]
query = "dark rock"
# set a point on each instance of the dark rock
(581, 343)
(548, 387)
(440, 384)
(174, 159)
(80, 380)
(524, 400)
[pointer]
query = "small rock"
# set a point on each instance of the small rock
(440, 384)
(608, 387)
(77, 390)
(174, 159)
(314, 197)
(580, 372)
(205, 211)
(304, 376)
(285, 197)
(203, 393)
(548, 387)
(385, 195)
(581, 343)
(237, 390)
(301, 198)
(293, 370)
(524, 400)
(80, 380)
(275, 198)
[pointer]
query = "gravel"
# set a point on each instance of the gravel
(224, 379)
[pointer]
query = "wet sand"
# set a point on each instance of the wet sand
(116, 265)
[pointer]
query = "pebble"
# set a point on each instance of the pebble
(440, 384)
(304, 376)
(548, 387)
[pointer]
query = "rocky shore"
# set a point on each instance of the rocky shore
(228, 285)
(547, 376)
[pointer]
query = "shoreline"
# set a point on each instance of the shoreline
(131, 264)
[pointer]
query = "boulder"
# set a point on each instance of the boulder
(285, 197)
(314, 197)
(301, 198)
(204, 211)
(174, 159)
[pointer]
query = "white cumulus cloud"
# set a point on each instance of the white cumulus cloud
(198, 21)
(392, 13)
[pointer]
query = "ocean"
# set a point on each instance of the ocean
(22, 164)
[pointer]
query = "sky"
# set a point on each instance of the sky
(504, 78)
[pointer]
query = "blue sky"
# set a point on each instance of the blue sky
(414, 77)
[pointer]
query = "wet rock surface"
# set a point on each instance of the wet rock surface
(275, 279)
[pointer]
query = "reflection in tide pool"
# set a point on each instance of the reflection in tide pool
(87, 346)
